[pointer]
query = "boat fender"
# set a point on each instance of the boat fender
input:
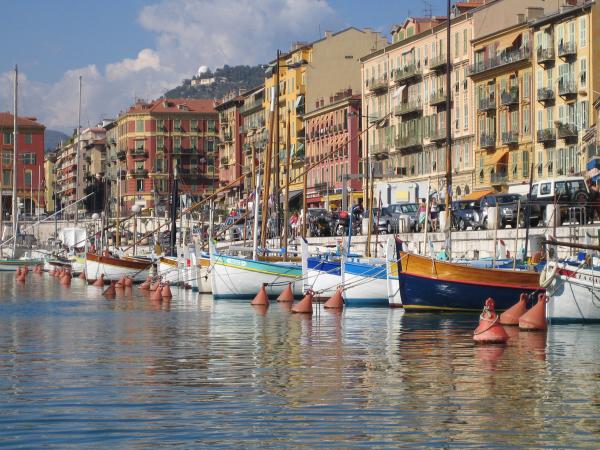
(547, 277)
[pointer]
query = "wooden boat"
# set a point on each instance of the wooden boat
(429, 284)
(233, 277)
(169, 270)
(114, 268)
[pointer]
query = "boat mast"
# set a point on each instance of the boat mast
(286, 206)
(15, 200)
(255, 224)
(78, 178)
(448, 225)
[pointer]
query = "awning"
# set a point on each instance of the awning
(477, 195)
(497, 156)
(293, 195)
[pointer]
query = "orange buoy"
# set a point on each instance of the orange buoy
(65, 280)
(511, 315)
(110, 291)
(261, 310)
(165, 292)
(18, 272)
(336, 301)
(51, 272)
(100, 281)
(535, 318)
(128, 282)
(287, 295)
(489, 330)
(145, 286)
(120, 283)
(154, 286)
(304, 306)
(82, 276)
(26, 269)
(156, 294)
(261, 298)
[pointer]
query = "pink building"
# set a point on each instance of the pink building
(332, 129)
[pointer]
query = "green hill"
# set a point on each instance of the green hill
(219, 83)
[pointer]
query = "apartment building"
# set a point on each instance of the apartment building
(159, 141)
(332, 147)
(231, 162)
(29, 164)
(253, 134)
(565, 86)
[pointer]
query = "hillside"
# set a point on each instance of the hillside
(219, 83)
(52, 139)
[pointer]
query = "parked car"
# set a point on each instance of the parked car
(508, 207)
(567, 192)
(382, 220)
(465, 213)
(403, 211)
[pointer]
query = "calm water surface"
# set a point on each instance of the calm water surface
(80, 370)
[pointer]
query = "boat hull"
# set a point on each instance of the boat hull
(237, 278)
(169, 271)
(11, 265)
(114, 268)
(574, 297)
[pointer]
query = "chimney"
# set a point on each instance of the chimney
(328, 34)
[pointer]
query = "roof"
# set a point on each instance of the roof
(6, 121)
(174, 105)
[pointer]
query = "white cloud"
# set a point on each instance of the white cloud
(189, 33)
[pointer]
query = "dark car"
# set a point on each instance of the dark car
(406, 212)
(509, 205)
(465, 214)
(382, 220)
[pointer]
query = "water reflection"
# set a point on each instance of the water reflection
(78, 368)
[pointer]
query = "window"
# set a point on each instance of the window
(8, 137)
(466, 115)
(465, 42)
(194, 142)
(583, 108)
(139, 144)
(211, 125)
(139, 185)
(210, 145)
(160, 142)
(6, 158)
(160, 125)
(139, 125)
(28, 138)
(550, 159)
(583, 72)
(456, 44)
(28, 178)
(545, 189)
(540, 163)
(582, 31)
(6, 178)
(159, 165)
(176, 142)
(525, 164)
(526, 85)
(139, 166)
(177, 124)
(29, 158)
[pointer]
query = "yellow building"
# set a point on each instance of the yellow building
(50, 181)
(504, 98)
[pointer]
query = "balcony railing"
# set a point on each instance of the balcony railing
(138, 153)
(224, 161)
(138, 173)
(438, 97)
(546, 135)
(412, 141)
(121, 154)
(438, 62)
(545, 94)
(407, 73)
(438, 135)
(487, 104)
(567, 130)
(379, 151)
(183, 151)
(504, 59)
(487, 140)
(406, 108)
(510, 97)
(567, 87)
(545, 55)
(377, 84)
(567, 49)
(499, 178)
(510, 137)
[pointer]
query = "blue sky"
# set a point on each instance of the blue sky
(130, 48)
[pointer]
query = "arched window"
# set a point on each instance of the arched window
(458, 193)
(467, 190)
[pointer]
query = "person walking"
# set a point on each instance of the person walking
(434, 212)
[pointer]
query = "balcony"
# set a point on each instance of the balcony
(183, 151)
(506, 58)
(487, 141)
(224, 161)
(377, 85)
(138, 153)
(498, 178)
(546, 135)
(545, 55)
(158, 173)
(407, 74)
(567, 87)
(487, 104)
(438, 98)
(545, 94)
(510, 137)
(567, 50)
(567, 131)
(438, 135)
(138, 173)
(406, 108)
(410, 142)
(510, 97)
(379, 152)
(438, 62)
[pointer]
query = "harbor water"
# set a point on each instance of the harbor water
(77, 369)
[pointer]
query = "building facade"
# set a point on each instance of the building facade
(160, 141)
(254, 134)
(29, 165)
(332, 149)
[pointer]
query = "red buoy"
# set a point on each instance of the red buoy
(261, 298)
(120, 283)
(287, 295)
(110, 291)
(489, 331)
(100, 281)
(156, 295)
(165, 292)
(154, 286)
(82, 276)
(145, 286)
(65, 280)
(18, 272)
(535, 318)
(26, 269)
(511, 315)
(336, 301)
(261, 310)
(304, 306)
(128, 282)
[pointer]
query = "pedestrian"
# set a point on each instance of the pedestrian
(294, 224)
(422, 214)
(434, 211)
